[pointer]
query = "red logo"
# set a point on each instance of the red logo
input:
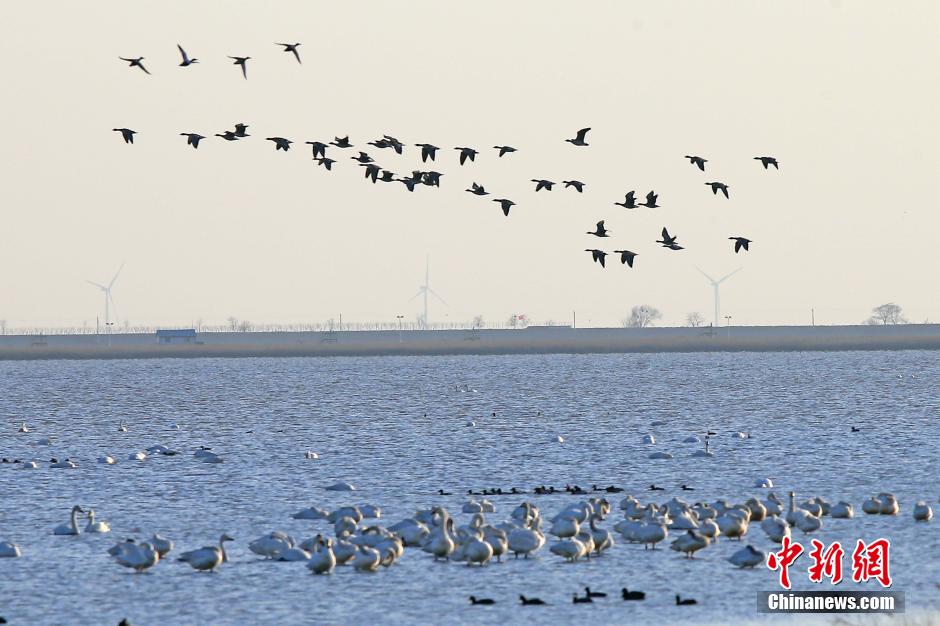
(826, 562)
(790, 552)
(869, 561)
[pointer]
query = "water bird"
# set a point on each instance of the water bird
(72, 527)
(243, 62)
(530, 601)
(228, 136)
(767, 161)
(428, 151)
(341, 142)
(93, 526)
(669, 241)
(363, 158)
(241, 130)
(577, 184)
(629, 201)
(716, 187)
(192, 139)
(600, 231)
(325, 162)
(576, 599)
(291, 47)
(686, 488)
(319, 148)
(856, 430)
(697, 161)
(593, 594)
(386, 176)
(626, 594)
(651, 198)
(207, 558)
(542, 184)
(186, 60)
(372, 171)
(739, 243)
(505, 205)
(135, 63)
(579, 139)
(484, 601)
(504, 149)
(280, 143)
(922, 512)
(599, 256)
(685, 601)
(466, 153)
(392, 142)
(653, 487)
(23, 428)
(9, 550)
(126, 133)
(626, 257)
(477, 190)
(441, 492)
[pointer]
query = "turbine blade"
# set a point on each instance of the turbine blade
(420, 291)
(706, 276)
(116, 274)
(98, 285)
(720, 280)
(434, 293)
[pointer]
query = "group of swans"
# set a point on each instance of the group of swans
(72, 528)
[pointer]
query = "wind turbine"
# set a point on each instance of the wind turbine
(108, 299)
(715, 284)
(424, 290)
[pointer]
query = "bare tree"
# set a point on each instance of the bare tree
(885, 314)
(244, 327)
(477, 322)
(233, 323)
(641, 316)
(694, 319)
(513, 321)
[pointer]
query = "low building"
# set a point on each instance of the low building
(176, 336)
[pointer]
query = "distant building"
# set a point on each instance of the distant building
(176, 335)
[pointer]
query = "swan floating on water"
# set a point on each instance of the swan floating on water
(138, 557)
(72, 527)
(311, 455)
(922, 512)
(649, 439)
(207, 558)
(748, 556)
(107, 460)
(137, 456)
(322, 560)
(341, 486)
(763, 483)
(841, 510)
(660, 455)
(310, 513)
(9, 550)
(95, 527)
(23, 428)
(162, 545)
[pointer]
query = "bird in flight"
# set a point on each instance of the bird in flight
(229, 136)
(716, 187)
(428, 151)
(579, 140)
(599, 256)
(767, 161)
(240, 130)
(126, 133)
(466, 153)
(319, 148)
(504, 149)
(505, 205)
(327, 163)
(135, 63)
(542, 184)
(341, 142)
(600, 231)
(192, 139)
(740, 242)
(391, 142)
(626, 257)
(363, 158)
(432, 179)
(243, 61)
(280, 143)
(409, 182)
(372, 171)
(629, 202)
(478, 190)
(577, 184)
(669, 241)
(291, 47)
(651, 198)
(697, 161)
(387, 176)
(186, 60)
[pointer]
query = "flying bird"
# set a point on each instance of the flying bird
(327, 163)
(280, 143)
(432, 179)
(767, 161)
(579, 140)
(192, 139)
(428, 151)
(126, 133)
(651, 198)
(505, 205)
(372, 171)
(504, 149)
(669, 241)
(243, 61)
(229, 136)
(394, 143)
(240, 130)
(319, 148)
(599, 256)
(478, 190)
(341, 142)
(542, 184)
(629, 201)
(697, 161)
(135, 63)
(387, 176)
(626, 257)
(291, 47)
(186, 60)
(363, 158)
(409, 183)
(740, 242)
(600, 232)
(716, 187)
(577, 184)
(466, 153)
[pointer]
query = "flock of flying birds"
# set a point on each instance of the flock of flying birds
(377, 173)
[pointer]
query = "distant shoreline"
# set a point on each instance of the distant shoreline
(532, 340)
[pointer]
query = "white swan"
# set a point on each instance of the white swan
(763, 483)
(29, 465)
(23, 428)
(270, 545)
(95, 527)
(412, 532)
(344, 550)
(570, 549)
(352, 512)
(107, 460)
(367, 559)
(747, 556)
(345, 525)
(660, 455)
(370, 511)
(709, 528)
(72, 527)
(498, 541)
(341, 486)
(292, 554)
(138, 557)
(122, 427)
(477, 551)
(322, 561)
(162, 545)
(773, 504)
(310, 513)
(525, 541)
(207, 558)
(46, 441)
(564, 527)
(603, 540)
(649, 439)
(888, 504)
(775, 528)
(137, 456)
(311, 456)
(689, 543)
(651, 533)
(210, 457)
(871, 506)
(842, 510)
(471, 506)
(9, 550)
(732, 526)
(758, 510)
(922, 512)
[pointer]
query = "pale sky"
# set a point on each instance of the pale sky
(845, 94)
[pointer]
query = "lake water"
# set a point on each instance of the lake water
(365, 417)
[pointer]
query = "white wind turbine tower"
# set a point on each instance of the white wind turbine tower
(424, 290)
(108, 299)
(715, 284)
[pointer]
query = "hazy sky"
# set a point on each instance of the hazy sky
(844, 94)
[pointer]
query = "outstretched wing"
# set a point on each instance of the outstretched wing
(582, 134)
